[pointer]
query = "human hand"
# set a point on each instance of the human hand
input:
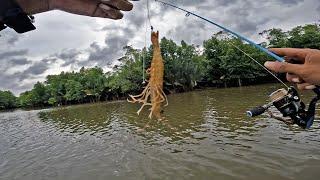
(306, 73)
(94, 8)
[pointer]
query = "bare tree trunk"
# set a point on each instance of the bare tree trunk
(239, 82)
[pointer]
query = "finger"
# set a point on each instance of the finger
(294, 78)
(306, 86)
(291, 52)
(109, 12)
(282, 67)
(119, 4)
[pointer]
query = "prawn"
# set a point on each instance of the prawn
(153, 94)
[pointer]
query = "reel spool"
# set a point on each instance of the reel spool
(289, 104)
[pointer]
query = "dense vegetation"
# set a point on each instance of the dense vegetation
(216, 63)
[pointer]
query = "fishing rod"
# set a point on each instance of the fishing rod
(278, 58)
(287, 101)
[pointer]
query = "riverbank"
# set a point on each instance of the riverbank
(122, 99)
(187, 67)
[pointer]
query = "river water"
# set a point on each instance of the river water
(206, 136)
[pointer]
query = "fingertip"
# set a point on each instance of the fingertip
(295, 80)
(129, 7)
(305, 86)
(110, 12)
(310, 87)
(122, 5)
(268, 64)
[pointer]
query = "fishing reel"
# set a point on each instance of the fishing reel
(289, 104)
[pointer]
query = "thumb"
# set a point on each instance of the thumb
(283, 67)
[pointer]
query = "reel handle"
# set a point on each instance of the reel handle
(256, 111)
(317, 90)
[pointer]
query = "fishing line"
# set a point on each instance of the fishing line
(278, 58)
(148, 19)
(148, 11)
(259, 64)
(144, 51)
(289, 103)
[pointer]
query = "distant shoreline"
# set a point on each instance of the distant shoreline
(122, 100)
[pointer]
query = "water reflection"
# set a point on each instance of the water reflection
(81, 119)
(197, 115)
(206, 135)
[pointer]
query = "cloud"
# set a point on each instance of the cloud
(68, 56)
(20, 61)
(291, 2)
(65, 42)
(9, 37)
(116, 39)
(9, 54)
(37, 68)
(12, 60)
(14, 83)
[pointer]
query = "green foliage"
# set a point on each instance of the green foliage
(39, 95)
(7, 100)
(218, 62)
(128, 77)
(52, 101)
(307, 36)
(93, 81)
(74, 91)
(277, 37)
(25, 99)
(226, 63)
(182, 64)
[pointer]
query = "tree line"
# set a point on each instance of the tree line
(217, 63)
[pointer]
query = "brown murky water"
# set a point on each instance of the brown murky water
(207, 136)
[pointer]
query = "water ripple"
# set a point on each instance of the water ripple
(205, 135)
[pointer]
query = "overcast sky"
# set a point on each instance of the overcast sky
(65, 42)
